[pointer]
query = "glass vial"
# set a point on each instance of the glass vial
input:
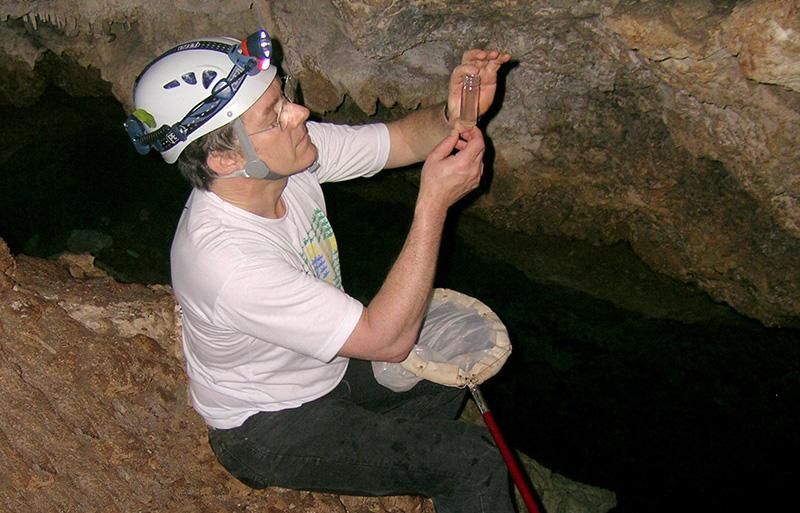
(470, 89)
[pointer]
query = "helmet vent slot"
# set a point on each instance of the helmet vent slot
(189, 78)
(208, 77)
(172, 84)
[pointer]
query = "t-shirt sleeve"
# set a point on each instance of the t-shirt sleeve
(276, 303)
(347, 152)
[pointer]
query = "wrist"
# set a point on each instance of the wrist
(430, 212)
(446, 115)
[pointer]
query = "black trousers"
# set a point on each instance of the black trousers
(364, 439)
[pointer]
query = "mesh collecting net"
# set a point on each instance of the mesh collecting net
(462, 342)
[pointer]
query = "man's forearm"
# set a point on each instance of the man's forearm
(416, 134)
(389, 326)
(397, 310)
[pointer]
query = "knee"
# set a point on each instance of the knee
(481, 454)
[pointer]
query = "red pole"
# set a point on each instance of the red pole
(505, 451)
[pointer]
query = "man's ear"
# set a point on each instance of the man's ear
(224, 162)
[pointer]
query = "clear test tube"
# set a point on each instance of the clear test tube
(470, 89)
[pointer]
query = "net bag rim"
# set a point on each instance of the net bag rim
(450, 374)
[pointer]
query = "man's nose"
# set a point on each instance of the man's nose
(295, 114)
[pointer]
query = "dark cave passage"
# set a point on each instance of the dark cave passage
(667, 414)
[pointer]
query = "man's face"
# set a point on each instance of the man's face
(278, 132)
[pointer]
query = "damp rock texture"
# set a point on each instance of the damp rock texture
(95, 415)
(668, 126)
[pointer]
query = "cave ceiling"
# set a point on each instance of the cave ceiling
(669, 126)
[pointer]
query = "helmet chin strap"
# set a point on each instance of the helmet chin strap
(255, 167)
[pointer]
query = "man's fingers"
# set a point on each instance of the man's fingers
(445, 147)
(474, 138)
(475, 55)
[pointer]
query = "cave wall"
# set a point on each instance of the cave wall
(670, 126)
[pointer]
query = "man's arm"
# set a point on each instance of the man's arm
(415, 135)
(389, 326)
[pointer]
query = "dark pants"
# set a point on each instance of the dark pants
(364, 439)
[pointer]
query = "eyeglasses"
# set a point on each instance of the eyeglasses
(288, 95)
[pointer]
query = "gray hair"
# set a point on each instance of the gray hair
(193, 160)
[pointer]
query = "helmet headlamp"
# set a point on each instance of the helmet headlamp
(250, 57)
(256, 46)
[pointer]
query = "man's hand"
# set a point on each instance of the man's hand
(413, 136)
(452, 169)
(485, 63)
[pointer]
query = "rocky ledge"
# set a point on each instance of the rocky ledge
(96, 418)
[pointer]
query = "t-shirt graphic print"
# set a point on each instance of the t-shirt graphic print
(320, 252)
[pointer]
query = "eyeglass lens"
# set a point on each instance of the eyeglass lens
(290, 85)
(288, 95)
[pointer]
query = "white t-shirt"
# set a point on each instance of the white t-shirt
(263, 309)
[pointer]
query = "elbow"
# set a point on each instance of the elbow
(400, 350)
(368, 343)
(397, 355)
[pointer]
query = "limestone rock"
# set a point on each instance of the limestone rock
(670, 126)
(560, 495)
(95, 415)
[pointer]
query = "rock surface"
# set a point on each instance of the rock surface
(668, 125)
(95, 415)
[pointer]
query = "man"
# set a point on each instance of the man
(277, 353)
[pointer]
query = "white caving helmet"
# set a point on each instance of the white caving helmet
(195, 88)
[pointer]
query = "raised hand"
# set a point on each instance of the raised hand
(484, 63)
